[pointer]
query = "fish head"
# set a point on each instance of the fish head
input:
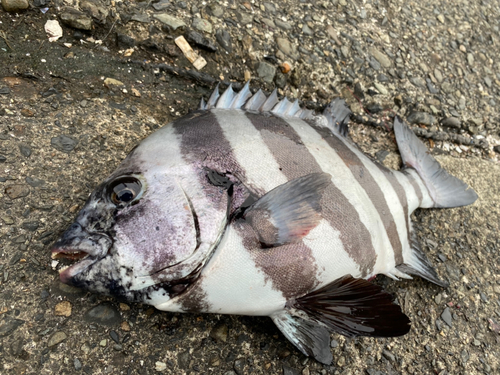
(145, 232)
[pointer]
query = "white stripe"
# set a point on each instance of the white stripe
(331, 258)
(261, 169)
(234, 285)
(427, 201)
(390, 195)
(411, 195)
(342, 177)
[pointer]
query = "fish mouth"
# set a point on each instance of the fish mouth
(71, 262)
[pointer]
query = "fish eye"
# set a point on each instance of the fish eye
(124, 190)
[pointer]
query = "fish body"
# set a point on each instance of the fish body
(254, 206)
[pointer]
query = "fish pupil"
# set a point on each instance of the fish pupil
(124, 190)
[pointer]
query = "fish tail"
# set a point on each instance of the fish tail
(444, 189)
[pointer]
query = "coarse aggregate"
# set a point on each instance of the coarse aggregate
(70, 110)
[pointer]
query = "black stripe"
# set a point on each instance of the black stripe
(367, 182)
(295, 161)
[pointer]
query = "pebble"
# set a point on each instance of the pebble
(17, 191)
(105, 314)
(202, 25)
(161, 5)
(63, 143)
(77, 364)
(201, 41)
(3, 159)
(56, 338)
(244, 18)
(446, 316)
(387, 354)
(421, 118)
(224, 39)
(287, 48)
(216, 10)
(266, 71)
(160, 366)
(381, 88)
(183, 360)
(380, 57)
(9, 325)
(34, 182)
(170, 21)
(74, 18)
(219, 332)
(452, 122)
(114, 336)
(334, 344)
(103, 343)
(283, 25)
(287, 370)
(63, 309)
(8, 220)
(15, 5)
(239, 366)
(25, 150)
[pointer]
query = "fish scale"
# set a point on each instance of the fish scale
(252, 205)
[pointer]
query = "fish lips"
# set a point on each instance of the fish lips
(81, 246)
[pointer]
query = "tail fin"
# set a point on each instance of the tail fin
(444, 189)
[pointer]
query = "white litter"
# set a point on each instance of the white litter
(53, 30)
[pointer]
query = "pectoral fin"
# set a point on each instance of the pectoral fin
(288, 212)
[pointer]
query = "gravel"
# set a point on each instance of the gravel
(63, 130)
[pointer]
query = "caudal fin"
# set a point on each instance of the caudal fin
(444, 189)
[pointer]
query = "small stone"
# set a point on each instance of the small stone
(34, 182)
(219, 332)
(9, 325)
(160, 366)
(387, 354)
(8, 220)
(224, 39)
(105, 314)
(287, 48)
(14, 5)
(381, 57)
(114, 336)
(283, 25)
(56, 338)
(103, 343)
(266, 71)
(470, 58)
(124, 307)
(417, 81)
(124, 41)
(202, 25)
(381, 88)
(216, 10)
(270, 7)
(77, 364)
(440, 18)
(3, 159)
(421, 118)
(290, 370)
(239, 366)
(446, 316)
(110, 82)
(63, 143)
(161, 5)
(451, 122)
(170, 21)
(183, 360)
(74, 18)
(17, 191)
(125, 326)
(244, 18)
(140, 17)
(63, 309)
(438, 75)
(25, 150)
(334, 344)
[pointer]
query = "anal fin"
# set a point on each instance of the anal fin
(354, 307)
(311, 338)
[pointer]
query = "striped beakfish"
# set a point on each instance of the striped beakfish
(251, 205)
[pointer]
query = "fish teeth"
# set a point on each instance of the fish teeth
(63, 268)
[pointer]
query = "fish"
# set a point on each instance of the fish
(252, 205)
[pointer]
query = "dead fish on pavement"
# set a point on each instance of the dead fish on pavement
(254, 206)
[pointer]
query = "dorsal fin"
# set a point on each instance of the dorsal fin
(259, 102)
(337, 114)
